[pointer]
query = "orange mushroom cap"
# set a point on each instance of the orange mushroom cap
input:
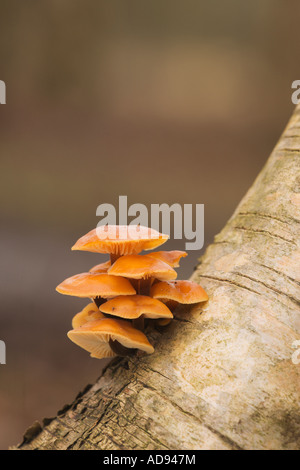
(95, 285)
(133, 306)
(95, 336)
(172, 258)
(163, 322)
(120, 239)
(183, 292)
(142, 267)
(90, 312)
(101, 268)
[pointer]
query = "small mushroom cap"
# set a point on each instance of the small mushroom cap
(95, 285)
(101, 268)
(133, 306)
(163, 322)
(184, 292)
(120, 239)
(95, 335)
(172, 258)
(90, 312)
(142, 267)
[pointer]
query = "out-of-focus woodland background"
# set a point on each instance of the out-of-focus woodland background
(173, 101)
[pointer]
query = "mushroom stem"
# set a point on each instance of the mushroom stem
(144, 286)
(99, 301)
(119, 349)
(139, 323)
(113, 258)
(171, 304)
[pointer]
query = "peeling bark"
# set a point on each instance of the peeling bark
(222, 375)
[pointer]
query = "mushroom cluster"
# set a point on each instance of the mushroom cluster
(126, 291)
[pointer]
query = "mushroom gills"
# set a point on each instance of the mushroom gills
(113, 258)
(99, 301)
(121, 350)
(139, 323)
(142, 286)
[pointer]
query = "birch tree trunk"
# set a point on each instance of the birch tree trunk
(222, 376)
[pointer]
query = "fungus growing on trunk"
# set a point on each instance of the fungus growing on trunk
(142, 269)
(95, 284)
(101, 268)
(90, 312)
(120, 240)
(126, 289)
(109, 338)
(173, 293)
(172, 258)
(136, 308)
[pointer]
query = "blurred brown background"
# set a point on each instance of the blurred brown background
(162, 101)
